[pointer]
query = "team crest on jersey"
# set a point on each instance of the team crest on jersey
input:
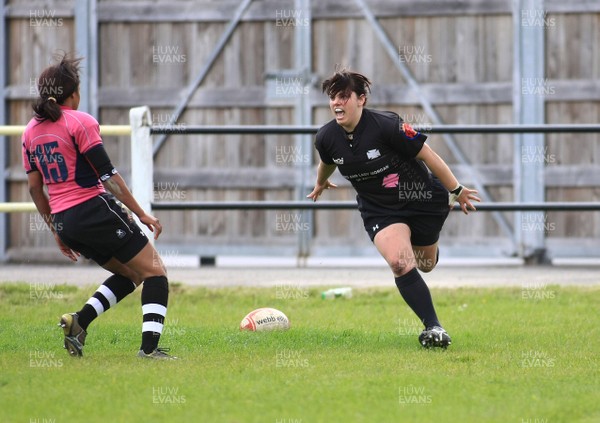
(120, 233)
(339, 161)
(373, 154)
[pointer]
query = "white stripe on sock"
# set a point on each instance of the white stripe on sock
(95, 302)
(108, 294)
(152, 327)
(154, 309)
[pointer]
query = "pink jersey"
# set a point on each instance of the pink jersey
(56, 150)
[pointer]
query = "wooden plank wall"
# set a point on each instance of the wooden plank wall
(32, 39)
(461, 55)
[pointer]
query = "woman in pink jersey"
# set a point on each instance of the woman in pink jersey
(63, 150)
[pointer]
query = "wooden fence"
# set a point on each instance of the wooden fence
(461, 53)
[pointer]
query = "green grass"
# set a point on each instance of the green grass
(513, 359)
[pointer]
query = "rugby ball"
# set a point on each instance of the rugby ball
(265, 319)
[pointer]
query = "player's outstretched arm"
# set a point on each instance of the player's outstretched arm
(324, 171)
(459, 193)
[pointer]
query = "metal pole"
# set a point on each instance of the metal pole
(187, 96)
(93, 59)
(86, 45)
(438, 129)
(4, 239)
(351, 205)
(303, 116)
(528, 108)
(431, 112)
(22, 207)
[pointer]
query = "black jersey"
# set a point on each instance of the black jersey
(378, 159)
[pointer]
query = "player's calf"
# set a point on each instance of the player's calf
(424, 262)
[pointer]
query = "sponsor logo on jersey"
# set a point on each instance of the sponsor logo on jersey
(120, 233)
(106, 176)
(339, 161)
(391, 180)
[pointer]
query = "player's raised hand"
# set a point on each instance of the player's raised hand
(464, 199)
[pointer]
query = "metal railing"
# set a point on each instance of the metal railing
(343, 205)
(437, 129)
(116, 130)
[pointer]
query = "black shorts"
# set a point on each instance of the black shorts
(100, 229)
(425, 225)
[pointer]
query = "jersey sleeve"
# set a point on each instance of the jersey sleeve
(86, 132)
(100, 162)
(29, 163)
(319, 145)
(405, 140)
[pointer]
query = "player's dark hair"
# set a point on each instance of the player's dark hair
(55, 84)
(345, 82)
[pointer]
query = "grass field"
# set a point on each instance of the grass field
(519, 355)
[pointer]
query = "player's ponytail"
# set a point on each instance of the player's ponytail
(55, 84)
(47, 108)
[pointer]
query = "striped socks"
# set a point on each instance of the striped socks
(155, 295)
(113, 290)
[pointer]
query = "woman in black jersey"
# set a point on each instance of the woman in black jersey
(404, 189)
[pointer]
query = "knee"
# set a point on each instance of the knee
(154, 268)
(132, 276)
(155, 274)
(138, 276)
(401, 267)
(158, 267)
(137, 281)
